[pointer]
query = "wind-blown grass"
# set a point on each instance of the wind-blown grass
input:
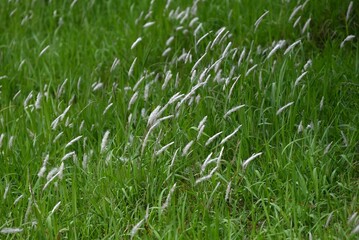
(179, 119)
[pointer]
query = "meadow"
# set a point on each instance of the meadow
(195, 119)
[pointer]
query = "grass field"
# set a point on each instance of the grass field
(194, 119)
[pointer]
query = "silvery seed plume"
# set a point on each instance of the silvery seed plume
(200, 132)
(166, 52)
(114, 64)
(218, 35)
(207, 176)
(203, 37)
(130, 71)
(232, 110)
(205, 163)
(148, 24)
(352, 218)
(11, 230)
(106, 109)
(73, 141)
(230, 135)
(321, 104)
(198, 62)
(246, 162)
(300, 78)
(153, 116)
(170, 40)
(104, 141)
(198, 28)
(355, 230)
(296, 9)
(135, 43)
(349, 11)
(328, 219)
(167, 79)
(28, 98)
(138, 83)
(213, 137)
(186, 148)
(38, 101)
(296, 21)
(259, 20)
(290, 48)
(251, 69)
(307, 65)
(193, 21)
(68, 155)
(347, 39)
(147, 135)
(279, 45)
(43, 168)
(164, 148)
(306, 25)
(136, 228)
(280, 110)
(55, 208)
(57, 137)
(173, 158)
(132, 100)
(327, 148)
(18, 199)
(44, 50)
(228, 191)
(168, 199)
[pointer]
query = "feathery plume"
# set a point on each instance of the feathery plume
(104, 141)
(347, 39)
(135, 43)
(327, 148)
(73, 141)
(198, 61)
(280, 110)
(251, 69)
(230, 135)
(149, 24)
(228, 191)
(43, 168)
(170, 40)
(11, 230)
(256, 24)
(168, 199)
(44, 50)
(130, 71)
(186, 148)
(296, 9)
(212, 138)
(232, 110)
(114, 64)
(164, 148)
(38, 101)
(292, 46)
(107, 108)
(218, 34)
(306, 25)
(300, 78)
(132, 100)
(68, 155)
(246, 162)
(349, 11)
(55, 208)
(136, 228)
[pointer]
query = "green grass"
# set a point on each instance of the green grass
(58, 81)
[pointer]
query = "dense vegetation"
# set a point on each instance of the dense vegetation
(194, 119)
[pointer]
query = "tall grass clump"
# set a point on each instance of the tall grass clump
(179, 119)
